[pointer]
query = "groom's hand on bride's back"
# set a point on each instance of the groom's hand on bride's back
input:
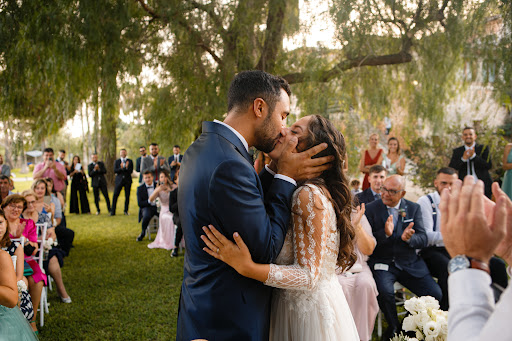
(300, 166)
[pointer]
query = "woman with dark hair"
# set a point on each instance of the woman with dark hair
(78, 185)
(394, 161)
(310, 304)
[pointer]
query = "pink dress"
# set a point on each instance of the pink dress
(30, 232)
(166, 229)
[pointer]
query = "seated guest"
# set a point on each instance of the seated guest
(398, 228)
(4, 168)
(147, 208)
(5, 187)
(165, 236)
(358, 284)
(354, 185)
(13, 206)
(487, 230)
(376, 177)
(35, 211)
(173, 205)
(435, 255)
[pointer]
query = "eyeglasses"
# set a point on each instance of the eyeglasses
(15, 207)
(390, 191)
(31, 202)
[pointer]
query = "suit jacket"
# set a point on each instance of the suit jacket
(173, 168)
(138, 162)
(143, 197)
(123, 175)
(482, 163)
(365, 197)
(393, 248)
(97, 176)
(173, 206)
(147, 163)
(219, 186)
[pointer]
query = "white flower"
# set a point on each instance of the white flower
(422, 318)
(22, 286)
(409, 323)
(430, 302)
(413, 339)
(414, 305)
(419, 335)
(431, 329)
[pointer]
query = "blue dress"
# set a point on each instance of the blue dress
(506, 186)
(13, 326)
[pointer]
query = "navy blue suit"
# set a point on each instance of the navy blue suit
(219, 185)
(365, 197)
(123, 180)
(404, 265)
(146, 210)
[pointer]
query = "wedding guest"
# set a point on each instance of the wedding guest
(394, 161)
(262, 160)
(62, 160)
(147, 208)
(487, 230)
(97, 173)
(473, 159)
(49, 168)
(64, 234)
(173, 205)
(357, 282)
(123, 167)
(354, 185)
(397, 226)
(13, 206)
(138, 161)
(154, 162)
(79, 187)
(506, 186)
(5, 186)
(369, 157)
(376, 178)
(165, 236)
(175, 159)
(13, 325)
(4, 168)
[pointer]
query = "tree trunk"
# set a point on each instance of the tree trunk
(109, 116)
(96, 120)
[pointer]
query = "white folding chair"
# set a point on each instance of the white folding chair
(401, 295)
(152, 227)
(43, 304)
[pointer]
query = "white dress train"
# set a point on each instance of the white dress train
(309, 303)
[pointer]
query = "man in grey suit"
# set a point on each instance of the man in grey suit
(154, 162)
(4, 168)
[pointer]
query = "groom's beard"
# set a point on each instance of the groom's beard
(265, 142)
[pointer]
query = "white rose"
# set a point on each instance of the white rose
(413, 339)
(409, 323)
(422, 319)
(431, 329)
(430, 302)
(22, 286)
(414, 305)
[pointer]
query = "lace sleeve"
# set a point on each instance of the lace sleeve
(310, 233)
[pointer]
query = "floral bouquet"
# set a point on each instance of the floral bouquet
(48, 244)
(426, 319)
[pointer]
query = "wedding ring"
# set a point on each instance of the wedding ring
(218, 250)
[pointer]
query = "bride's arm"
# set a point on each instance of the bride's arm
(310, 236)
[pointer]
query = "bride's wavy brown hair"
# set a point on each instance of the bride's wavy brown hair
(333, 180)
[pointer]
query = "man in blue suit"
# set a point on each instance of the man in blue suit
(376, 177)
(147, 209)
(397, 226)
(219, 185)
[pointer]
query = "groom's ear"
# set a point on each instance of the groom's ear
(260, 107)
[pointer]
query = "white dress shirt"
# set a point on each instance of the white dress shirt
(473, 315)
(246, 145)
(471, 170)
(434, 237)
(150, 189)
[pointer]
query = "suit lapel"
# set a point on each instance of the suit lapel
(384, 214)
(212, 127)
(399, 224)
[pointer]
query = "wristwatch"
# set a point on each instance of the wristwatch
(461, 262)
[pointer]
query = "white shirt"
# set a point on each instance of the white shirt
(473, 315)
(471, 170)
(150, 191)
(435, 238)
(246, 145)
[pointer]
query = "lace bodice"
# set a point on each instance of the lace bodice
(311, 245)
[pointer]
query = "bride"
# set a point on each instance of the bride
(309, 303)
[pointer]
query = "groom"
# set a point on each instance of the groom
(219, 185)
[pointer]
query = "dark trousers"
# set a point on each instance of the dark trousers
(178, 236)
(104, 191)
(147, 214)
(437, 259)
(385, 281)
(117, 190)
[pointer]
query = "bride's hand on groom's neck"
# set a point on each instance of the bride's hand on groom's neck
(300, 166)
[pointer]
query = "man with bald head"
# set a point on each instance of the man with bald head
(397, 226)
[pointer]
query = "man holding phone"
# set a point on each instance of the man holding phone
(49, 168)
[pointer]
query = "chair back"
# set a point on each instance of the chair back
(41, 237)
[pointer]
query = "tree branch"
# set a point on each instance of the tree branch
(149, 10)
(327, 75)
(274, 35)
(208, 9)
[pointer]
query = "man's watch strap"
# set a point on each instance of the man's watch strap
(478, 264)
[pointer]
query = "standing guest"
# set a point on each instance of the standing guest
(62, 160)
(4, 168)
(5, 186)
(165, 236)
(49, 168)
(123, 167)
(376, 178)
(473, 159)
(357, 282)
(435, 255)
(394, 161)
(138, 162)
(507, 166)
(154, 162)
(97, 173)
(80, 186)
(175, 160)
(487, 230)
(147, 207)
(394, 259)
(262, 160)
(369, 157)
(173, 205)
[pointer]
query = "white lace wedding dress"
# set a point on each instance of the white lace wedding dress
(309, 303)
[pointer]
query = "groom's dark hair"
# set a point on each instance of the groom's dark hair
(249, 85)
